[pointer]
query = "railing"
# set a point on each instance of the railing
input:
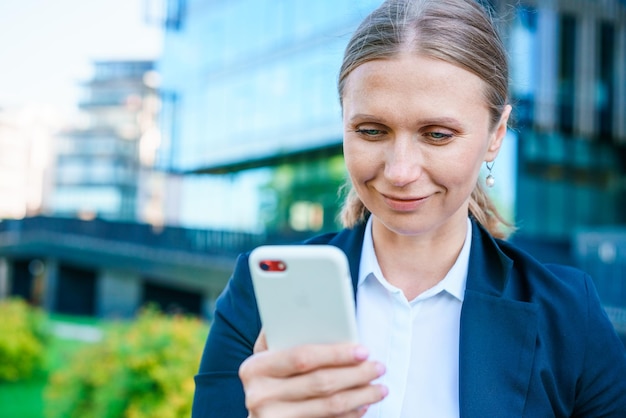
(215, 242)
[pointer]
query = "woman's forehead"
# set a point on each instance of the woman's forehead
(413, 80)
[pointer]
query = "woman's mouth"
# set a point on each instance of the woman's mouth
(404, 204)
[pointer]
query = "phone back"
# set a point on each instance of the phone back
(304, 294)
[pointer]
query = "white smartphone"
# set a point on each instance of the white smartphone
(304, 294)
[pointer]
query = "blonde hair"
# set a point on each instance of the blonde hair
(460, 32)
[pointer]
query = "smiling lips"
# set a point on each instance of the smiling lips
(404, 204)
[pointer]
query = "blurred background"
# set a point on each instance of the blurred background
(145, 143)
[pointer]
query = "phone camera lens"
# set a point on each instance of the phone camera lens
(265, 266)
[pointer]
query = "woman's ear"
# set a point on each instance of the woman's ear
(498, 134)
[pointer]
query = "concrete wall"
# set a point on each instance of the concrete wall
(118, 294)
(4, 278)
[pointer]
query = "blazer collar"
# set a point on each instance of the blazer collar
(488, 268)
(498, 333)
(351, 242)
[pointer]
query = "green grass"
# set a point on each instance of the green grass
(78, 320)
(25, 399)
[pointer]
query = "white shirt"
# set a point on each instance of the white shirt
(417, 341)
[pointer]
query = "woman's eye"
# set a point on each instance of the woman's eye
(370, 132)
(439, 136)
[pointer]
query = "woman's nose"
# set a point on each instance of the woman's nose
(403, 163)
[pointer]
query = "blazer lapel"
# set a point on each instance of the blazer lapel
(497, 340)
(350, 241)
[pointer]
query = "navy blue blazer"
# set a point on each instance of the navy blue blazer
(534, 340)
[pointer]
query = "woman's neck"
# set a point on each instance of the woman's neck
(415, 263)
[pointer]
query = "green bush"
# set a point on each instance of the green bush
(139, 370)
(22, 340)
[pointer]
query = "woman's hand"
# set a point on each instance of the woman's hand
(310, 381)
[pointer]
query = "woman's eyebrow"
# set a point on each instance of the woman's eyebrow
(370, 118)
(443, 120)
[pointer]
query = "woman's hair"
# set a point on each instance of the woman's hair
(460, 32)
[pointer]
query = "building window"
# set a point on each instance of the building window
(523, 49)
(169, 14)
(606, 86)
(170, 103)
(567, 71)
(306, 216)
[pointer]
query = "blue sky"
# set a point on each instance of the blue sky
(46, 47)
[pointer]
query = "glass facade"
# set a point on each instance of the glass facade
(246, 81)
(571, 157)
(566, 182)
(253, 77)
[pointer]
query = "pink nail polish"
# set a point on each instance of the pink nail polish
(380, 369)
(360, 353)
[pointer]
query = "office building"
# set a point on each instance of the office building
(102, 165)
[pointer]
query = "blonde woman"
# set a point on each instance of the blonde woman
(453, 321)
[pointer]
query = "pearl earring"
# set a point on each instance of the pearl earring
(490, 180)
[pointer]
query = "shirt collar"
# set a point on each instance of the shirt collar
(454, 282)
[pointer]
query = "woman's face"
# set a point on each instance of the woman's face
(416, 132)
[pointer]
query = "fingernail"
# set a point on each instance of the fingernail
(363, 409)
(384, 390)
(360, 353)
(380, 369)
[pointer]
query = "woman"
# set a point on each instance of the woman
(452, 321)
